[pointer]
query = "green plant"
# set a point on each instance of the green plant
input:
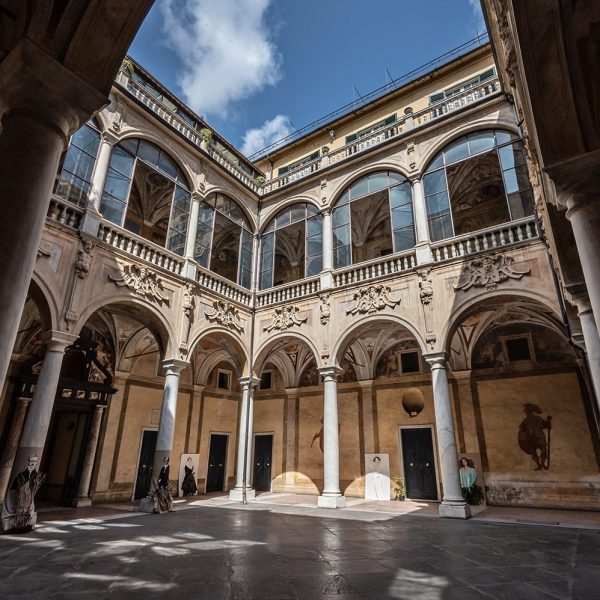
(206, 134)
(127, 66)
(473, 495)
(325, 150)
(260, 180)
(399, 487)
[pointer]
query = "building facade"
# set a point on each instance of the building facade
(378, 286)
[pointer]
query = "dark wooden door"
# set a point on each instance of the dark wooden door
(263, 456)
(217, 460)
(144, 473)
(419, 463)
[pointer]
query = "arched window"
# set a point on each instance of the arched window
(75, 176)
(291, 246)
(224, 239)
(372, 218)
(478, 181)
(147, 193)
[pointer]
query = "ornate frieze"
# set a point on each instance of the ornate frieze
(84, 260)
(371, 299)
(426, 296)
(325, 308)
(225, 314)
(142, 282)
(488, 271)
(284, 318)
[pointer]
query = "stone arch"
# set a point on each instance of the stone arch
(455, 133)
(45, 301)
(241, 205)
(222, 334)
(262, 352)
(277, 208)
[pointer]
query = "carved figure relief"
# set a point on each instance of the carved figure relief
(532, 438)
(369, 300)
(426, 296)
(284, 318)
(325, 308)
(84, 260)
(225, 314)
(142, 282)
(189, 301)
(488, 271)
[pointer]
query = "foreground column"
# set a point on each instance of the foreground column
(592, 343)
(83, 491)
(37, 422)
(41, 103)
(166, 426)
(453, 503)
(244, 442)
(331, 496)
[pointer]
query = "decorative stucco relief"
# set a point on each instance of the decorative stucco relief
(426, 296)
(284, 318)
(142, 282)
(84, 260)
(325, 308)
(371, 299)
(488, 271)
(225, 314)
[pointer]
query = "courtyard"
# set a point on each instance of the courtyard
(215, 549)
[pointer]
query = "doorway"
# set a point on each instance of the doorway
(144, 472)
(419, 463)
(217, 461)
(263, 457)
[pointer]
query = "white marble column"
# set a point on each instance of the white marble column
(12, 441)
(422, 246)
(37, 422)
(166, 425)
(92, 216)
(83, 490)
(244, 443)
(326, 274)
(453, 503)
(190, 240)
(592, 342)
(331, 497)
(41, 104)
(584, 214)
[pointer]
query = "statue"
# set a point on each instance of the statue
(84, 260)
(18, 511)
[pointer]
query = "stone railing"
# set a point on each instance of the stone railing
(64, 212)
(222, 286)
(409, 123)
(139, 247)
(185, 129)
(498, 236)
(378, 267)
(288, 291)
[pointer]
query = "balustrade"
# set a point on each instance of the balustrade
(373, 269)
(219, 285)
(289, 291)
(64, 212)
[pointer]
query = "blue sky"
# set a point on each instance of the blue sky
(257, 68)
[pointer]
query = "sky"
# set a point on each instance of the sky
(258, 69)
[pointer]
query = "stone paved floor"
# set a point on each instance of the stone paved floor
(266, 551)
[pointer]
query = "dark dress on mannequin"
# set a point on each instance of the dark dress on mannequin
(188, 486)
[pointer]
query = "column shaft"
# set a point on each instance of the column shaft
(100, 173)
(190, 241)
(83, 491)
(453, 503)
(592, 348)
(423, 249)
(327, 241)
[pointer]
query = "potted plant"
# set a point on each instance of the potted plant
(260, 180)
(399, 488)
(127, 67)
(206, 135)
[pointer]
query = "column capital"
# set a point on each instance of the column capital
(326, 211)
(174, 366)
(330, 372)
(197, 196)
(57, 341)
(437, 360)
(249, 381)
(461, 375)
(366, 383)
(108, 137)
(415, 178)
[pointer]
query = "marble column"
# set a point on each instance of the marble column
(83, 491)
(91, 219)
(41, 104)
(327, 271)
(37, 422)
(584, 214)
(290, 443)
(422, 247)
(166, 425)
(190, 240)
(592, 342)
(331, 497)
(453, 503)
(12, 441)
(244, 443)
(368, 415)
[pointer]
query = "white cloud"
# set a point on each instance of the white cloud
(270, 131)
(225, 48)
(478, 20)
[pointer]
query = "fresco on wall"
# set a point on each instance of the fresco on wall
(388, 364)
(534, 436)
(90, 358)
(348, 373)
(319, 436)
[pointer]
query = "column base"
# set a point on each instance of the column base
(82, 502)
(331, 501)
(237, 495)
(454, 510)
(146, 505)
